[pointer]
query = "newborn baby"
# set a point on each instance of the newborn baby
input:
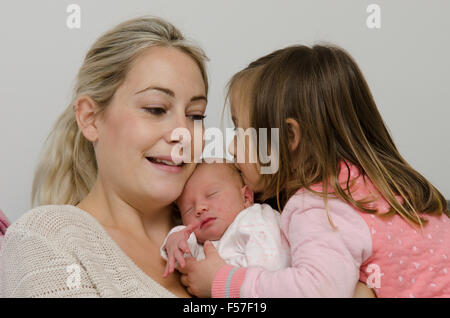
(216, 206)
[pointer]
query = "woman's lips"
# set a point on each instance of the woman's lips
(164, 167)
(206, 222)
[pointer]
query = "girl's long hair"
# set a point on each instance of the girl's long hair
(67, 169)
(323, 89)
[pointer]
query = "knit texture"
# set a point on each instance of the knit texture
(4, 223)
(62, 251)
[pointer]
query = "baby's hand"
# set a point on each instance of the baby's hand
(176, 246)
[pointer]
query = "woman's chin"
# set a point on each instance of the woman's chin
(166, 195)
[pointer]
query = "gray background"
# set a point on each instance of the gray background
(406, 63)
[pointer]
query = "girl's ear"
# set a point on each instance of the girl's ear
(86, 113)
(247, 195)
(293, 133)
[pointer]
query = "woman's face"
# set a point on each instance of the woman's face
(163, 90)
(240, 143)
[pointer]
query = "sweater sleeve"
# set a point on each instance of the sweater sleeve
(31, 266)
(325, 261)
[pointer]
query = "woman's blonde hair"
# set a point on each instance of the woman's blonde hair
(323, 89)
(67, 170)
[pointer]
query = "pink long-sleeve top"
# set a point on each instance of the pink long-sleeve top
(387, 253)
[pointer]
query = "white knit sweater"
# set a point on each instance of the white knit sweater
(62, 251)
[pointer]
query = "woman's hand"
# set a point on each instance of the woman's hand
(198, 276)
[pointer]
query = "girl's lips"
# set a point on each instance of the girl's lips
(206, 222)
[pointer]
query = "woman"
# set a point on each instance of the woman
(106, 181)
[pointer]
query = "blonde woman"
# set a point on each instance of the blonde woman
(104, 186)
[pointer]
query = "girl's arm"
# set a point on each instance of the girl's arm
(325, 261)
(362, 291)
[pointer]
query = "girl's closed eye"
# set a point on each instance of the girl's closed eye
(196, 116)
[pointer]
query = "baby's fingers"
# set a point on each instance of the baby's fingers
(191, 228)
(180, 258)
(183, 246)
(170, 265)
(166, 270)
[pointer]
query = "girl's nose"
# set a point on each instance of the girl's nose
(232, 147)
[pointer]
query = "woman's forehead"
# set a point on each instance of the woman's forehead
(169, 68)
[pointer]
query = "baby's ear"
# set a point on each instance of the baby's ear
(247, 195)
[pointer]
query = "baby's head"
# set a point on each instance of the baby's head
(214, 195)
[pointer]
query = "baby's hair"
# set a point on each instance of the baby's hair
(67, 169)
(323, 89)
(228, 164)
(235, 173)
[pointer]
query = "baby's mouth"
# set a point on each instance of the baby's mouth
(206, 222)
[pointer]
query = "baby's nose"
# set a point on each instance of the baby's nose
(201, 209)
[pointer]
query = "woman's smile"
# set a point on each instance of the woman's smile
(165, 163)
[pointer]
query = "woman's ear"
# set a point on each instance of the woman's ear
(86, 113)
(247, 195)
(293, 133)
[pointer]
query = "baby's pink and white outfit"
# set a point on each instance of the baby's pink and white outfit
(386, 253)
(253, 239)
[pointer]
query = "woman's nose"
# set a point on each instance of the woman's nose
(178, 129)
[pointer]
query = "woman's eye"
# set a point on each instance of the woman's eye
(155, 110)
(197, 117)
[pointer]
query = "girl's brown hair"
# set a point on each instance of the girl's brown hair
(323, 89)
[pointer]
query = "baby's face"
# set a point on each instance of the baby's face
(213, 196)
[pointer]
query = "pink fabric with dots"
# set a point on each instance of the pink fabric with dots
(405, 261)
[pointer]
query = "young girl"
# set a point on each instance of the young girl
(353, 208)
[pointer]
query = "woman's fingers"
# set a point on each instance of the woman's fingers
(184, 280)
(188, 265)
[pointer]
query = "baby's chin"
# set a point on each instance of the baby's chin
(202, 240)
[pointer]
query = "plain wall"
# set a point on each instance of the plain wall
(406, 63)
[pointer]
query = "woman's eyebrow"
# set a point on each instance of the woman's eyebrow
(170, 93)
(157, 88)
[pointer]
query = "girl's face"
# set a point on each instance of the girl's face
(163, 90)
(240, 143)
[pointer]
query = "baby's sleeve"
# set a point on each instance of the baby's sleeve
(264, 244)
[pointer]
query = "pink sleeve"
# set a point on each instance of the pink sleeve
(325, 262)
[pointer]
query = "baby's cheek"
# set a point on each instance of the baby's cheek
(186, 220)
